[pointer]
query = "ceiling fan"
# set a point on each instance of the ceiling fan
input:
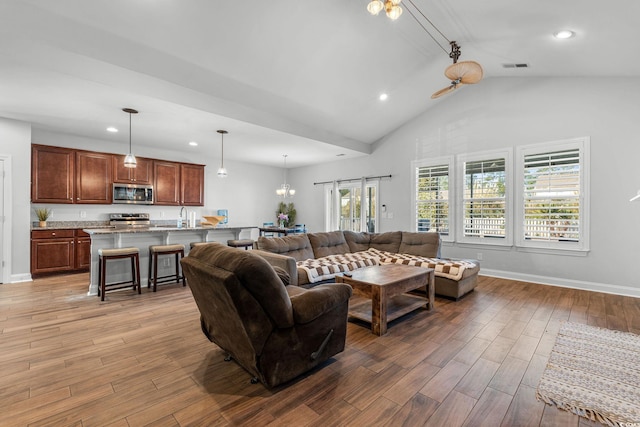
(460, 73)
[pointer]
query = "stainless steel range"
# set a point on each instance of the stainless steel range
(129, 220)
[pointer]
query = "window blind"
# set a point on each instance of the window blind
(484, 203)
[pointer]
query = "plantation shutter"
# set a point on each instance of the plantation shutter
(432, 198)
(484, 201)
(552, 196)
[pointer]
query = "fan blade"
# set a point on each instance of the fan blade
(469, 72)
(444, 91)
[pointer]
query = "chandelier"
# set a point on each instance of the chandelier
(285, 189)
(391, 7)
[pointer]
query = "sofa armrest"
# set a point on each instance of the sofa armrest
(285, 262)
(309, 304)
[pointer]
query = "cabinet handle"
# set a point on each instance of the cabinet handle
(53, 234)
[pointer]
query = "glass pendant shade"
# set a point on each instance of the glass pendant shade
(375, 7)
(222, 172)
(130, 161)
(393, 10)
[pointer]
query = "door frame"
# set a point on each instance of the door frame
(7, 209)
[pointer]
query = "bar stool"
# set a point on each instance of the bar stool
(118, 253)
(242, 243)
(154, 252)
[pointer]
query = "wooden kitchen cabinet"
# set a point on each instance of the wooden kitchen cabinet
(192, 184)
(141, 174)
(64, 175)
(52, 251)
(167, 183)
(59, 251)
(52, 174)
(93, 177)
(178, 184)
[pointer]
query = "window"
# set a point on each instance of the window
(553, 204)
(432, 210)
(485, 188)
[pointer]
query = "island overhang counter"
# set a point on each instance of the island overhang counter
(142, 238)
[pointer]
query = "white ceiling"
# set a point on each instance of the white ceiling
(286, 76)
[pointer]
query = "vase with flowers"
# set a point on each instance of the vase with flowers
(43, 214)
(282, 218)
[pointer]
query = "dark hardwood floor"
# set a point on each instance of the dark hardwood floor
(67, 359)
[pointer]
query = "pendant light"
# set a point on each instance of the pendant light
(130, 159)
(222, 172)
(285, 190)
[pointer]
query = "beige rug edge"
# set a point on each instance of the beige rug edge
(583, 354)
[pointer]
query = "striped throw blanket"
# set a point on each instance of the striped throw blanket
(442, 267)
(328, 267)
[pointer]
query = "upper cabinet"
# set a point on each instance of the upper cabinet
(167, 183)
(93, 177)
(52, 174)
(64, 175)
(141, 174)
(192, 184)
(178, 184)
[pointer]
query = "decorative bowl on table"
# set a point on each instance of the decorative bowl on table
(211, 221)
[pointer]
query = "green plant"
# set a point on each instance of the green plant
(290, 211)
(42, 213)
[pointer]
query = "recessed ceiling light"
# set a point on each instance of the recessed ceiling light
(112, 129)
(383, 96)
(193, 144)
(564, 34)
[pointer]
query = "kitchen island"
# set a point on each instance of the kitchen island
(142, 238)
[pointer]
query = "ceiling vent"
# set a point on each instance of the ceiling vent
(521, 65)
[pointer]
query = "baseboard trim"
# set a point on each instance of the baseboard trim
(25, 277)
(564, 283)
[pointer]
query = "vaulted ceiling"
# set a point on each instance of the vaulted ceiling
(286, 76)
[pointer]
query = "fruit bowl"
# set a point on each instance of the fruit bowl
(211, 221)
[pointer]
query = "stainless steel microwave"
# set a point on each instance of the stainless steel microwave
(133, 193)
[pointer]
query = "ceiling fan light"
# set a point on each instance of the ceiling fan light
(394, 11)
(130, 161)
(374, 7)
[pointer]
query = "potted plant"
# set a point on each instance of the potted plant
(43, 214)
(289, 211)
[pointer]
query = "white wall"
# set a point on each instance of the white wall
(509, 112)
(15, 140)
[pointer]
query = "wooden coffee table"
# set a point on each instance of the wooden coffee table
(386, 286)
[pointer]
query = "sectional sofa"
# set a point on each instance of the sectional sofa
(318, 257)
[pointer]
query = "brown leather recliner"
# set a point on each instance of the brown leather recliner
(275, 332)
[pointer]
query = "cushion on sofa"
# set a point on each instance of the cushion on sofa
(357, 242)
(422, 244)
(389, 241)
(296, 246)
(328, 243)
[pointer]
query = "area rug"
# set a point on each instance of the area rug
(595, 373)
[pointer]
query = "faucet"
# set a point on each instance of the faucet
(184, 222)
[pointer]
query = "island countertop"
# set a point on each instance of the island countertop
(161, 228)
